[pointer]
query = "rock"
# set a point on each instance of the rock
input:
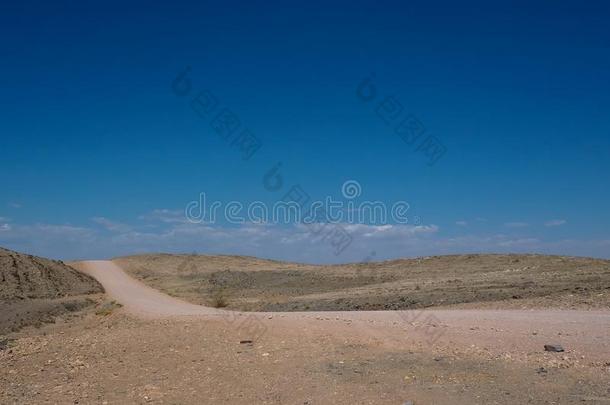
(408, 403)
(553, 348)
(244, 342)
(3, 344)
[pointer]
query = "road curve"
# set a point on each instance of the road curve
(137, 297)
(587, 332)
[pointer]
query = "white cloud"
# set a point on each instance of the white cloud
(384, 231)
(461, 223)
(14, 205)
(524, 242)
(111, 225)
(50, 231)
(516, 224)
(555, 222)
(166, 216)
(284, 242)
(59, 230)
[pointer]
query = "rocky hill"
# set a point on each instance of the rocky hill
(35, 290)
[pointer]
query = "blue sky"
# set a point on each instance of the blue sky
(100, 156)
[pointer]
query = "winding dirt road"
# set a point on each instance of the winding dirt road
(584, 332)
(158, 349)
(135, 296)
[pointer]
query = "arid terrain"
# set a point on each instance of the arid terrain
(34, 290)
(150, 347)
(491, 281)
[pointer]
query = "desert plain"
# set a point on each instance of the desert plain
(174, 329)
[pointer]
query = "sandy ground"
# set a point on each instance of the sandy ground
(162, 350)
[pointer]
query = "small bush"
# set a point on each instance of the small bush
(219, 300)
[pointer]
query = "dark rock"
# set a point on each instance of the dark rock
(553, 348)
(244, 342)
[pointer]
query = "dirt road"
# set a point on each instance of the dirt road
(136, 297)
(585, 332)
(158, 349)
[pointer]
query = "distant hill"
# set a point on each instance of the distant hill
(473, 280)
(29, 277)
